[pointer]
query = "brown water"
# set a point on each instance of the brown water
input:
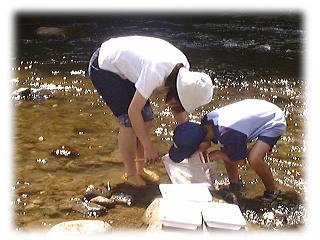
(76, 116)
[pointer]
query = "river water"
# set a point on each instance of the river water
(247, 56)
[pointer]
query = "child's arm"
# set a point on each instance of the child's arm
(151, 154)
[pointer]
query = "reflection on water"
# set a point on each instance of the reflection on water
(246, 56)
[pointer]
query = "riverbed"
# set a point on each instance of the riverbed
(246, 55)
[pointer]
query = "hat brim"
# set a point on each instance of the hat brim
(179, 154)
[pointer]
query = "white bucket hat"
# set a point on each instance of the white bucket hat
(195, 89)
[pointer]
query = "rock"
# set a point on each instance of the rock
(31, 94)
(41, 93)
(122, 198)
(94, 191)
(151, 216)
(103, 201)
(21, 93)
(87, 208)
(50, 32)
(82, 226)
(65, 151)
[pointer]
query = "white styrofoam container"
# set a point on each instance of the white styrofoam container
(198, 192)
(180, 214)
(223, 215)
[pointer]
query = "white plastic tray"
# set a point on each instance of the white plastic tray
(186, 215)
(223, 215)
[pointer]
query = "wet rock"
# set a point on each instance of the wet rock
(103, 201)
(65, 151)
(95, 191)
(31, 94)
(122, 198)
(50, 32)
(21, 93)
(87, 208)
(82, 226)
(41, 93)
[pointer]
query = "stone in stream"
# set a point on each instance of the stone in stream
(81, 226)
(21, 93)
(93, 191)
(87, 208)
(31, 94)
(65, 151)
(103, 201)
(122, 198)
(50, 32)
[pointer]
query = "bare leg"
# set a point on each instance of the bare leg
(257, 162)
(127, 141)
(232, 170)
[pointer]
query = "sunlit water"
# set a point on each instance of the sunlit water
(246, 56)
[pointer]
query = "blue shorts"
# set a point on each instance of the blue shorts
(271, 141)
(116, 92)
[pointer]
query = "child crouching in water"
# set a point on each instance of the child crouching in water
(232, 127)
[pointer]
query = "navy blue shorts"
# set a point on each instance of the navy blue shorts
(271, 141)
(116, 92)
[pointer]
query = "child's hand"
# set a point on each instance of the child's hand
(151, 155)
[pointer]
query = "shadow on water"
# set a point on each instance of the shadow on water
(247, 56)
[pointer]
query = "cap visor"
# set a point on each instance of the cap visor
(179, 154)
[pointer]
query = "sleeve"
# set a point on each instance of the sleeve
(148, 81)
(234, 144)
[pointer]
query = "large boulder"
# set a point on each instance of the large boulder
(51, 32)
(81, 226)
(151, 216)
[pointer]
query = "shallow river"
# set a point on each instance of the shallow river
(247, 56)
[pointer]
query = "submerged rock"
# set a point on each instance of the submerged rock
(50, 32)
(103, 201)
(88, 208)
(97, 199)
(31, 94)
(65, 151)
(21, 93)
(81, 226)
(95, 191)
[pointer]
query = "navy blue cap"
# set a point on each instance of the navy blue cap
(186, 140)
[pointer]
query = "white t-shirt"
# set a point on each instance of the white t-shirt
(145, 61)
